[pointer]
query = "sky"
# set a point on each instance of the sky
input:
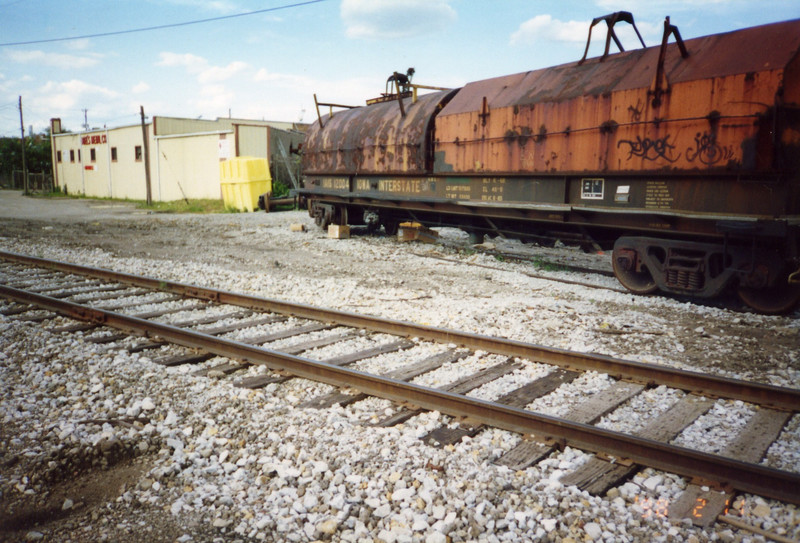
(269, 64)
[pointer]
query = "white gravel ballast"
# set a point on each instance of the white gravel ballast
(210, 462)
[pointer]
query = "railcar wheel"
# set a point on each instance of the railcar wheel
(323, 216)
(781, 297)
(390, 227)
(372, 220)
(625, 266)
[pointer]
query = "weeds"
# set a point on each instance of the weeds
(185, 206)
(546, 265)
(207, 205)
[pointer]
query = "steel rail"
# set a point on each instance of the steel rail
(741, 476)
(709, 385)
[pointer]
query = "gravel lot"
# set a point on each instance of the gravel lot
(99, 444)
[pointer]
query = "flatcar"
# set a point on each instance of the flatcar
(682, 157)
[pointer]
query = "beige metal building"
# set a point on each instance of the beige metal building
(184, 156)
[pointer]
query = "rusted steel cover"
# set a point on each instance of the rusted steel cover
(716, 112)
(373, 139)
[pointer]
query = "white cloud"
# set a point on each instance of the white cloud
(214, 98)
(78, 87)
(212, 94)
(140, 87)
(219, 6)
(77, 45)
(544, 27)
(199, 66)
(395, 18)
(214, 74)
(193, 63)
(58, 60)
(291, 81)
(351, 91)
(65, 95)
(661, 7)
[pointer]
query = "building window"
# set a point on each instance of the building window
(79, 156)
(138, 153)
(72, 155)
(58, 156)
(113, 154)
(93, 154)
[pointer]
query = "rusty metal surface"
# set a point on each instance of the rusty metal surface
(373, 139)
(778, 397)
(742, 476)
(600, 116)
(751, 50)
(717, 146)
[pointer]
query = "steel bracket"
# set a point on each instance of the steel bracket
(610, 20)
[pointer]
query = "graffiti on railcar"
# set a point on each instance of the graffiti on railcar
(707, 150)
(636, 111)
(650, 149)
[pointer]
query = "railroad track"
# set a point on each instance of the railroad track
(726, 300)
(560, 267)
(282, 337)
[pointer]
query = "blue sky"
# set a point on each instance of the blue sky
(269, 65)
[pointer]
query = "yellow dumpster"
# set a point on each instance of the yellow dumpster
(243, 179)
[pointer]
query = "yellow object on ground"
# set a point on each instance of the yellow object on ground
(243, 179)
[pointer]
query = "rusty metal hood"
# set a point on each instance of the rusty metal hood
(373, 139)
(757, 49)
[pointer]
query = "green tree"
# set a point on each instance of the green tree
(38, 156)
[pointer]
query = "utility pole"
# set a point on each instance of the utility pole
(24, 165)
(146, 157)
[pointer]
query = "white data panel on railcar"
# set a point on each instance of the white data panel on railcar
(592, 188)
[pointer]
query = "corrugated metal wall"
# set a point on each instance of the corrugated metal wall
(167, 126)
(267, 142)
(252, 141)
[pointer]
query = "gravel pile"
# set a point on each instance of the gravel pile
(113, 447)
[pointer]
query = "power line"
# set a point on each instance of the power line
(161, 27)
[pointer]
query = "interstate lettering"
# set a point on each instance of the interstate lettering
(400, 185)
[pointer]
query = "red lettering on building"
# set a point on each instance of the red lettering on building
(97, 139)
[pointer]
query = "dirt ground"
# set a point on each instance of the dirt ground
(372, 274)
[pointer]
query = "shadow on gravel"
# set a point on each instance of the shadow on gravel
(70, 492)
